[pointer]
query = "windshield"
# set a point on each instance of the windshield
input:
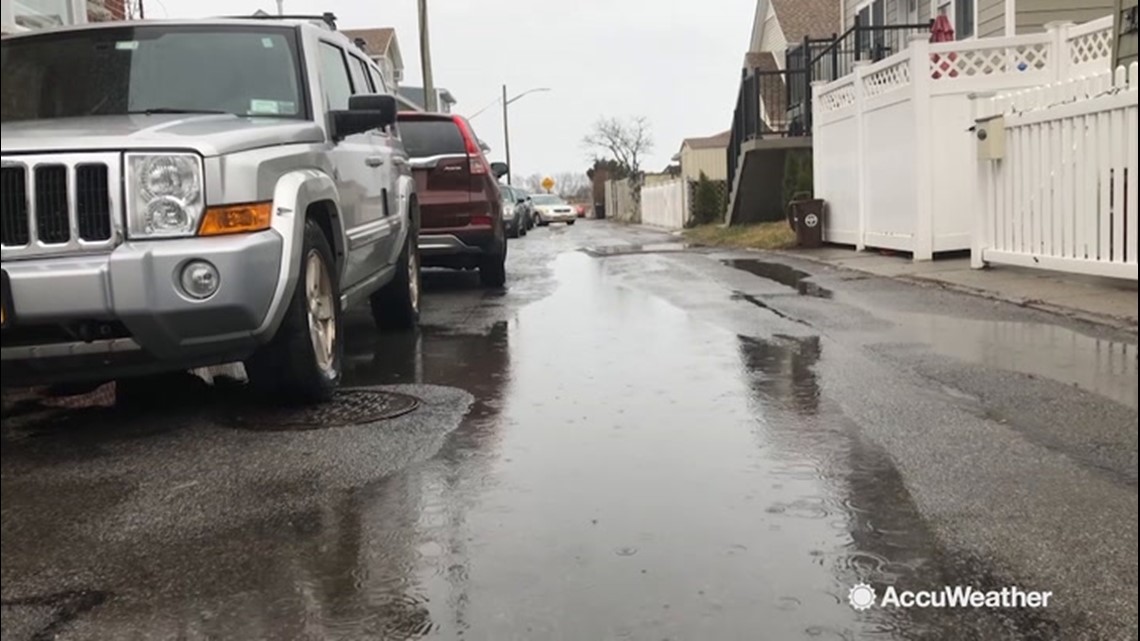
(548, 199)
(243, 71)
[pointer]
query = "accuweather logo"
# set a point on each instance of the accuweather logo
(863, 596)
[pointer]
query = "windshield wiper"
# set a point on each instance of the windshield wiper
(175, 110)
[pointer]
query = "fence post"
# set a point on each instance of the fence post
(981, 106)
(858, 39)
(919, 51)
(860, 152)
(1060, 58)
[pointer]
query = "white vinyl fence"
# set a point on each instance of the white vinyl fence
(620, 203)
(893, 154)
(1062, 194)
(665, 205)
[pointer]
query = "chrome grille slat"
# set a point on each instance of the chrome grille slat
(60, 204)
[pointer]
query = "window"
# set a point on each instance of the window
(431, 137)
(359, 71)
(133, 69)
(961, 15)
(40, 14)
(334, 77)
(963, 19)
(377, 80)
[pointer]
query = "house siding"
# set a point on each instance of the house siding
(1033, 15)
(991, 18)
(774, 40)
(713, 162)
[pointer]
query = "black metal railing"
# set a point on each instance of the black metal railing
(777, 102)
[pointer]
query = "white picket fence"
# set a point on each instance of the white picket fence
(1063, 194)
(665, 205)
(892, 152)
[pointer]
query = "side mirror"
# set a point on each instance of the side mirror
(499, 169)
(521, 201)
(364, 113)
(381, 102)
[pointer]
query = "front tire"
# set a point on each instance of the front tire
(302, 364)
(397, 304)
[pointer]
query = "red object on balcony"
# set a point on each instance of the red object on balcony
(943, 31)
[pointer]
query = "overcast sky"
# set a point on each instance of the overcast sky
(677, 63)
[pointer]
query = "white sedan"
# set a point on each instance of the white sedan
(549, 208)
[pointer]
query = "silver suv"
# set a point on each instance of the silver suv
(183, 194)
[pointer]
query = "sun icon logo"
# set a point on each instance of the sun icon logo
(861, 597)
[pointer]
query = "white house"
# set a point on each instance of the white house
(383, 47)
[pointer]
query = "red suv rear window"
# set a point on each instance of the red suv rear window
(423, 138)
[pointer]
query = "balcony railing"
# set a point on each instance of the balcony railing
(775, 102)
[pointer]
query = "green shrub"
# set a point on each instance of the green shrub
(708, 201)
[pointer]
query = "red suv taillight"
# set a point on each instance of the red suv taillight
(474, 153)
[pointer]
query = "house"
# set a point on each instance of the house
(383, 47)
(705, 155)
(975, 18)
(25, 15)
(415, 98)
(773, 105)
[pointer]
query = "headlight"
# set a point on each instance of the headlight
(164, 195)
(508, 211)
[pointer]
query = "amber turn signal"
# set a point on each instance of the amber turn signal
(236, 219)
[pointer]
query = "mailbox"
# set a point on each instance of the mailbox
(990, 133)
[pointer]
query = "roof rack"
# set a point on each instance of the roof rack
(327, 18)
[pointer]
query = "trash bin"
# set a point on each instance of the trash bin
(806, 217)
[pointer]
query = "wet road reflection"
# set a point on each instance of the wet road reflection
(624, 470)
(630, 472)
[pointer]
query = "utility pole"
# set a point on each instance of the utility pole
(507, 134)
(425, 58)
(280, 7)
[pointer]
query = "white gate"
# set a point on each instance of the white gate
(1062, 195)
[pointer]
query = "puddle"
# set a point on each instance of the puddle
(796, 279)
(1101, 366)
(624, 250)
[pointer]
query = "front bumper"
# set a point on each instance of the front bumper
(134, 287)
(557, 217)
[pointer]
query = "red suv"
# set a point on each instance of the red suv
(461, 211)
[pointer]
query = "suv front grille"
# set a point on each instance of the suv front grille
(58, 204)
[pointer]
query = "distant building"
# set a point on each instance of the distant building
(383, 48)
(415, 96)
(708, 155)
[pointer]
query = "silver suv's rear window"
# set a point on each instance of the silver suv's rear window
(247, 71)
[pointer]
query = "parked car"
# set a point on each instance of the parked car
(549, 208)
(461, 208)
(580, 210)
(515, 211)
(229, 208)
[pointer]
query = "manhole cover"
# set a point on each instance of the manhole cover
(348, 407)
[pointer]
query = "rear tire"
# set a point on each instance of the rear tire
(571, 222)
(493, 267)
(397, 304)
(302, 363)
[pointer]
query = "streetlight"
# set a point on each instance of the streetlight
(507, 126)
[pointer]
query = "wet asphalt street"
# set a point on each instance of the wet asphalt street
(630, 442)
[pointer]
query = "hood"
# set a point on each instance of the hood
(209, 134)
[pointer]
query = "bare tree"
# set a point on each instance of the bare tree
(625, 140)
(571, 185)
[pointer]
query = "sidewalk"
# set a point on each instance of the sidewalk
(1100, 300)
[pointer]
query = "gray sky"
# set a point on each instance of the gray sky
(678, 63)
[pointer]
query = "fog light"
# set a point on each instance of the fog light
(200, 279)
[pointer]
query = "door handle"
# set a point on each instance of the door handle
(374, 161)
(399, 162)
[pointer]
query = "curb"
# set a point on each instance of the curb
(1122, 323)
